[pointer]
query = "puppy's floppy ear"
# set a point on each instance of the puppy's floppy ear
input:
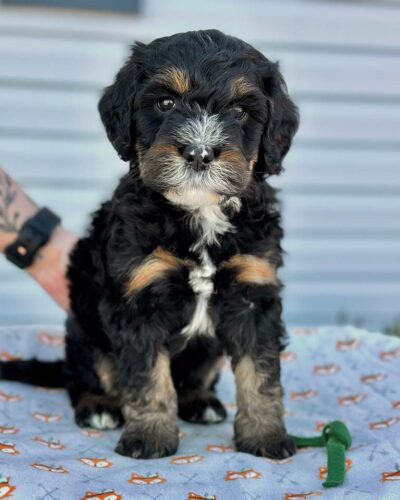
(116, 105)
(281, 123)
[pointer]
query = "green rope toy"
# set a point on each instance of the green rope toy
(337, 439)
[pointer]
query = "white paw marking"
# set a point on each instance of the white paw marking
(103, 421)
(210, 415)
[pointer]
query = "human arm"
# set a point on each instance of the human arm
(50, 263)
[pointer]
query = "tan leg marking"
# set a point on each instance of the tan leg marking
(260, 407)
(251, 269)
(106, 370)
(157, 400)
(210, 371)
(152, 416)
(157, 266)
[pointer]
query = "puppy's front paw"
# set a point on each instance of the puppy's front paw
(207, 410)
(136, 443)
(274, 446)
(98, 412)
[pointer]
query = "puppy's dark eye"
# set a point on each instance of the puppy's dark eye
(239, 113)
(165, 104)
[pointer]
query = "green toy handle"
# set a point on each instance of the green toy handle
(337, 439)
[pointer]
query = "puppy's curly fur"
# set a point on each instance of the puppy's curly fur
(179, 267)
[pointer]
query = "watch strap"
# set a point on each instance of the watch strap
(34, 234)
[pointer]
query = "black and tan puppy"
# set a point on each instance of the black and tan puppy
(179, 267)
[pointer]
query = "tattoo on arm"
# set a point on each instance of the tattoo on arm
(8, 216)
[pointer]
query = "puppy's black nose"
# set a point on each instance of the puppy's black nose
(198, 156)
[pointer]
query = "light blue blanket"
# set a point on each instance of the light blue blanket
(328, 373)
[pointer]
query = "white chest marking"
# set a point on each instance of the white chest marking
(212, 223)
(201, 281)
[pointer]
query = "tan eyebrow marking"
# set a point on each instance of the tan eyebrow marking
(251, 269)
(257, 399)
(106, 370)
(241, 86)
(155, 266)
(176, 78)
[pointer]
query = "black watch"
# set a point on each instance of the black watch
(33, 235)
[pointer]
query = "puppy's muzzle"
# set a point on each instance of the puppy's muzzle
(198, 157)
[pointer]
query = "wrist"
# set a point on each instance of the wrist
(50, 265)
(7, 239)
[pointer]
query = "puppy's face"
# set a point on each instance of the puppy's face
(198, 137)
(196, 113)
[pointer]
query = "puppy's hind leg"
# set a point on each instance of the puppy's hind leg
(89, 382)
(195, 372)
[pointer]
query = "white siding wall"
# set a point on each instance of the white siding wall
(341, 187)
